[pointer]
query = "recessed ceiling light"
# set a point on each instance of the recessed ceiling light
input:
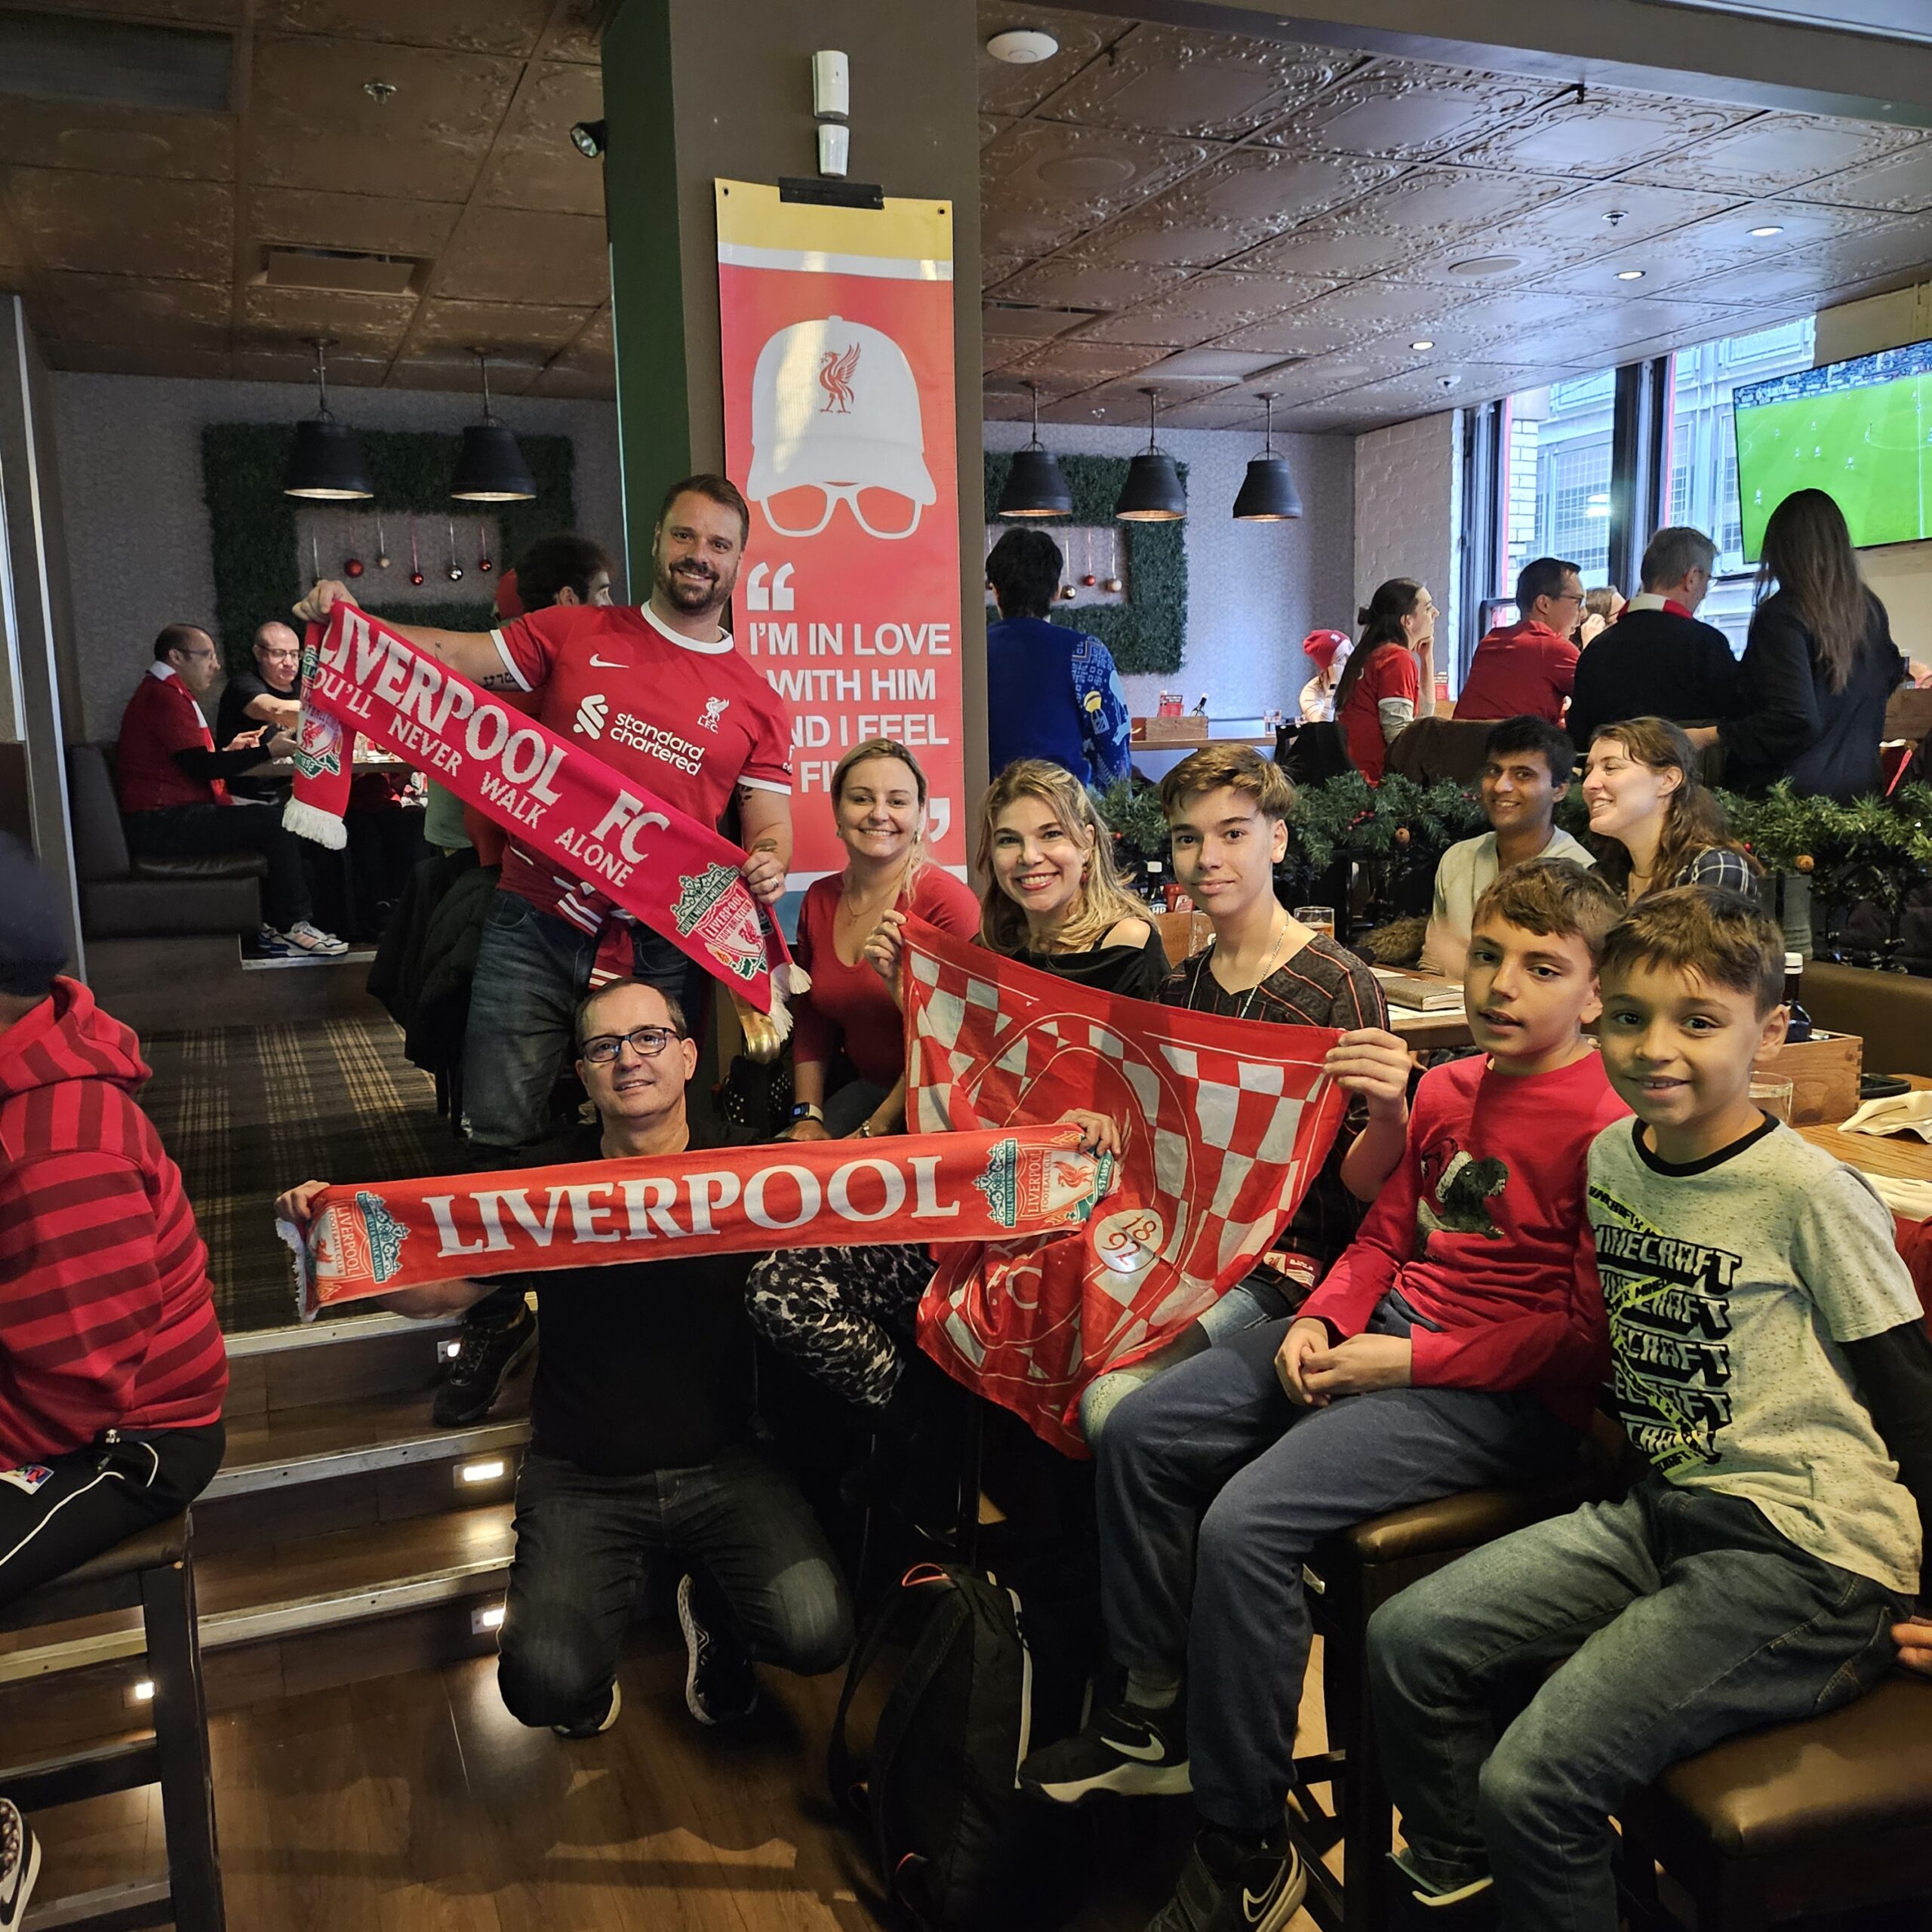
(1425, 344)
(1024, 48)
(1769, 228)
(1629, 274)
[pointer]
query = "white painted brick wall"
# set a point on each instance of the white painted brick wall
(1408, 514)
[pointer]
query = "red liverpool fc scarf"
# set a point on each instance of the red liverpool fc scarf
(377, 1239)
(634, 850)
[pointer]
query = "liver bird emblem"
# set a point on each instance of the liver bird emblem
(835, 375)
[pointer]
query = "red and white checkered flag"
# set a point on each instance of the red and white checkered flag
(1224, 1123)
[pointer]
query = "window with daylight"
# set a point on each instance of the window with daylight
(1556, 489)
(1703, 451)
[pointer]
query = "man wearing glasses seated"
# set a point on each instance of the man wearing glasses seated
(1526, 669)
(640, 1434)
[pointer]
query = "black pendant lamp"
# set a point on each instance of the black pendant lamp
(1151, 493)
(1268, 492)
(491, 468)
(326, 464)
(1034, 487)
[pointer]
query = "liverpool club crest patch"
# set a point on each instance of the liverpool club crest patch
(716, 907)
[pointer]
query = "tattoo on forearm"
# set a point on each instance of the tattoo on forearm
(498, 681)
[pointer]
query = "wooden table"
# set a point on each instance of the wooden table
(1897, 1156)
(1429, 1032)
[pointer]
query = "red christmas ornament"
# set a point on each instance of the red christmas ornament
(352, 567)
(1089, 580)
(416, 577)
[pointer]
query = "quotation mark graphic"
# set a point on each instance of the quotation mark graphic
(591, 715)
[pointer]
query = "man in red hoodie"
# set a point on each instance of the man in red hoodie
(111, 1365)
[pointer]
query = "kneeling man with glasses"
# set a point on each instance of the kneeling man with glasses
(641, 1418)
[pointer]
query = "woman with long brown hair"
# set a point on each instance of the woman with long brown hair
(1820, 666)
(1653, 825)
(1391, 675)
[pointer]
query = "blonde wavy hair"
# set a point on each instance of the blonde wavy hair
(1103, 902)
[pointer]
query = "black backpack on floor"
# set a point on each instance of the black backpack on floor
(958, 1844)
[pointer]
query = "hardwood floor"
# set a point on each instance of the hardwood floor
(416, 1803)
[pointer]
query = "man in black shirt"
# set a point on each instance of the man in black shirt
(1658, 660)
(640, 1437)
(268, 693)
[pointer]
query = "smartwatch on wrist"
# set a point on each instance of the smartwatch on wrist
(807, 1110)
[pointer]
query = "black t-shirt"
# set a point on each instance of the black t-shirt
(642, 1365)
(241, 691)
(1133, 972)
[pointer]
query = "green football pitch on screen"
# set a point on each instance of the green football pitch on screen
(1869, 447)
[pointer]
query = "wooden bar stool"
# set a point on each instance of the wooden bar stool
(1348, 1578)
(1829, 1814)
(155, 1573)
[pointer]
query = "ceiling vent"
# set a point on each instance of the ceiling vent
(115, 63)
(340, 268)
(1034, 318)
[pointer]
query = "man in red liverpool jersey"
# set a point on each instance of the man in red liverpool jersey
(659, 693)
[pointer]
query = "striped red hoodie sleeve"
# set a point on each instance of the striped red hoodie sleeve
(81, 1295)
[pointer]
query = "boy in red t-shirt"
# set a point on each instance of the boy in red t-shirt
(1456, 1344)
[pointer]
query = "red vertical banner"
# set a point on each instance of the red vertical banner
(837, 359)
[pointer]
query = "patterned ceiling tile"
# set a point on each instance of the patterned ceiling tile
(1900, 184)
(992, 126)
(1226, 207)
(366, 224)
(1041, 184)
(512, 254)
(590, 385)
(364, 324)
(1324, 252)
(1427, 207)
(1207, 305)
(1216, 86)
(509, 27)
(1371, 308)
(118, 140)
(1006, 89)
(513, 329)
(442, 369)
(1123, 403)
(996, 352)
(1217, 412)
(1773, 151)
(1725, 241)
(147, 357)
(1090, 278)
(1400, 110)
(117, 224)
(1080, 363)
(1035, 321)
(1577, 227)
(533, 165)
(1602, 134)
(1295, 333)
(993, 269)
(129, 310)
(296, 363)
(1898, 247)
(1456, 385)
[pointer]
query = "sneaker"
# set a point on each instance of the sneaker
(1138, 1753)
(306, 938)
(594, 1727)
(1471, 1907)
(720, 1685)
(1225, 1887)
(269, 944)
(19, 1866)
(489, 1352)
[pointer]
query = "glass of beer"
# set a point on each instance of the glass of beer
(1321, 918)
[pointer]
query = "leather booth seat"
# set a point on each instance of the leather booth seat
(124, 897)
(1891, 1012)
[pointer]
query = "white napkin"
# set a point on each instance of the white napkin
(1900, 1113)
(1911, 1198)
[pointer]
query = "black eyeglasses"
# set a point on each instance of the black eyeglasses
(647, 1042)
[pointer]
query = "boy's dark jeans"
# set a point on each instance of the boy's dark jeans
(1685, 1617)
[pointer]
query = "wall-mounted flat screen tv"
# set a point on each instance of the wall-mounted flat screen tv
(1860, 431)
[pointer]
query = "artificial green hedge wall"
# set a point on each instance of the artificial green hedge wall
(1145, 633)
(257, 575)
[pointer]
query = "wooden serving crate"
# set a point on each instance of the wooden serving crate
(1824, 1073)
(1192, 729)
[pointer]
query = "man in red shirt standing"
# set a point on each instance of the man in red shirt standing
(174, 799)
(658, 692)
(1526, 669)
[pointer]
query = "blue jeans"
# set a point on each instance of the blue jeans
(1213, 1487)
(582, 1546)
(1677, 1618)
(531, 969)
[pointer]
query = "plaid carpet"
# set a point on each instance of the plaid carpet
(247, 1111)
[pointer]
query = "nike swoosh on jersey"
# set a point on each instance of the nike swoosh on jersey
(607, 663)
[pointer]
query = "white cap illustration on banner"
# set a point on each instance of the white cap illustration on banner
(834, 408)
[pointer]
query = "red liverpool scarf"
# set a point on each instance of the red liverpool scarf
(385, 1236)
(635, 851)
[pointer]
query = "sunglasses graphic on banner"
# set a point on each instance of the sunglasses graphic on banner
(835, 419)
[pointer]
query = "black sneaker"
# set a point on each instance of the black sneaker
(19, 1866)
(597, 1726)
(1225, 1887)
(1136, 1752)
(1422, 1907)
(720, 1685)
(490, 1351)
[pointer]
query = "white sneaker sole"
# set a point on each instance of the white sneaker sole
(16, 1911)
(1125, 1780)
(689, 1623)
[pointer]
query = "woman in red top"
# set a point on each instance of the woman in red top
(848, 1050)
(1392, 671)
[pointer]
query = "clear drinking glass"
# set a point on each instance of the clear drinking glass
(1773, 1094)
(1320, 917)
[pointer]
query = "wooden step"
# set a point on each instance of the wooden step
(340, 1360)
(296, 1590)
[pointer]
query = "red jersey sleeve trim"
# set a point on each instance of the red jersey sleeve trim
(504, 651)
